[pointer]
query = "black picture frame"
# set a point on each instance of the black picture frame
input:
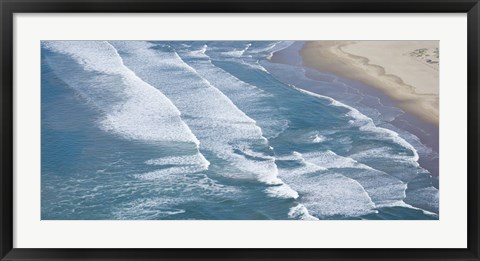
(10, 7)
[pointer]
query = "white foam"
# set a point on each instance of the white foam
(380, 187)
(318, 138)
(383, 152)
(249, 152)
(163, 199)
(148, 209)
(329, 159)
(196, 159)
(305, 168)
(159, 174)
(255, 65)
(424, 198)
(326, 195)
(402, 204)
(300, 212)
(273, 47)
(236, 53)
(366, 124)
(168, 194)
(200, 52)
(281, 45)
(186, 164)
(132, 108)
(269, 47)
(249, 98)
(213, 117)
(282, 191)
(294, 156)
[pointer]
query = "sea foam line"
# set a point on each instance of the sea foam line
(368, 125)
(138, 108)
(323, 202)
(247, 97)
(281, 190)
(201, 65)
(132, 108)
(365, 122)
(219, 124)
(237, 53)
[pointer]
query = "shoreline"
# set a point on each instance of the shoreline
(426, 131)
(362, 61)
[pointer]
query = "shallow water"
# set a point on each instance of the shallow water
(214, 130)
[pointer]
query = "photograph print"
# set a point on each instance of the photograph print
(240, 130)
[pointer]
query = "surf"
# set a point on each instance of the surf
(132, 108)
(222, 128)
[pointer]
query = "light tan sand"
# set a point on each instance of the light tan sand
(406, 71)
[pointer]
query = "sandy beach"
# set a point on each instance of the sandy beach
(406, 71)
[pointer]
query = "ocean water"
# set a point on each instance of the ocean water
(217, 131)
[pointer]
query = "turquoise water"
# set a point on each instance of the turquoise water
(214, 130)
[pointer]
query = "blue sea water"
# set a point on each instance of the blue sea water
(216, 131)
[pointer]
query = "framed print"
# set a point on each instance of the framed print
(240, 130)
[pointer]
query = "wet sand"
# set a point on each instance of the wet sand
(426, 131)
(405, 71)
